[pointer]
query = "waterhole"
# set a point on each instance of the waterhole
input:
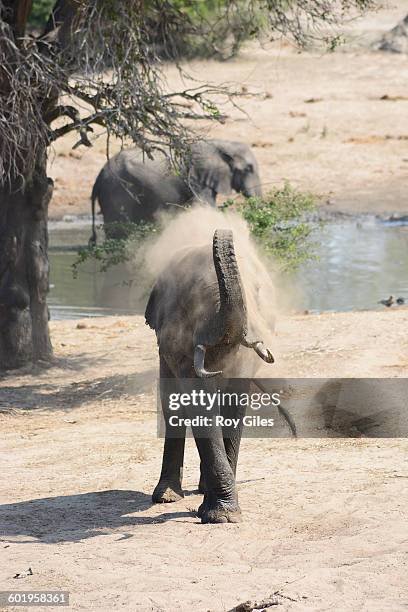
(358, 263)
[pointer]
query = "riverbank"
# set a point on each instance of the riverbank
(330, 123)
(80, 459)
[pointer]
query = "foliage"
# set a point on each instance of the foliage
(40, 12)
(278, 223)
(172, 38)
(211, 28)
(217, 28)
(113, 251)
(204, 28)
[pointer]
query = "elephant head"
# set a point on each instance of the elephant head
(228, 327)
(222, 166)
(242, 165)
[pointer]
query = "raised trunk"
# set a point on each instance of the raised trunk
(232, 315)
(24, 269)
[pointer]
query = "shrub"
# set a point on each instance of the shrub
(113, 251)
(277, 221)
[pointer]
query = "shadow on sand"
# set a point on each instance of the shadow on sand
(73, 518)
(47, 396)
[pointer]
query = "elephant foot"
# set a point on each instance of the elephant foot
(167, 493)
(219, 512)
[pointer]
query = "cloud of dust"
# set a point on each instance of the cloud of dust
(195, 227)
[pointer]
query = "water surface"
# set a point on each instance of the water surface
(358, 263)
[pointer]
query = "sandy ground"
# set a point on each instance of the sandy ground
(331, 123)
(325, 521)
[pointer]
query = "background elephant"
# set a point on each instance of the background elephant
(198, 311)
(130, 189)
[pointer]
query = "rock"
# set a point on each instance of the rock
(396, 40)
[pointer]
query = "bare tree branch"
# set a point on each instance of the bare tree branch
(100, 58)
(83, 126)
(62, 111)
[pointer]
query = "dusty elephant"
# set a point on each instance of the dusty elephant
(132, 190)
(198, 311)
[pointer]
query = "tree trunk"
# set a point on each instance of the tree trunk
(24, 269)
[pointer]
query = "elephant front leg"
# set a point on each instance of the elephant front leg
(169, 488)
(220, 503)
(232, 434)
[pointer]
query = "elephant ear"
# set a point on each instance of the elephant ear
(150, 312)
(210, 169)
(152, 317)
(238, 155)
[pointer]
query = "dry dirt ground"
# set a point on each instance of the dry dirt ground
(331, 123)
(325, 521)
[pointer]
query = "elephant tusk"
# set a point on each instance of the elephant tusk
(258, 346)
(264, 353)
(199, 358)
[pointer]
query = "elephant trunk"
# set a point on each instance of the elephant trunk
(232, 313)
(230, 324)
(252, 187)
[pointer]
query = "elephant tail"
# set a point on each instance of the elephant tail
(94, 197)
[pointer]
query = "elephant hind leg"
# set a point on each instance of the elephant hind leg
(169, 488)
